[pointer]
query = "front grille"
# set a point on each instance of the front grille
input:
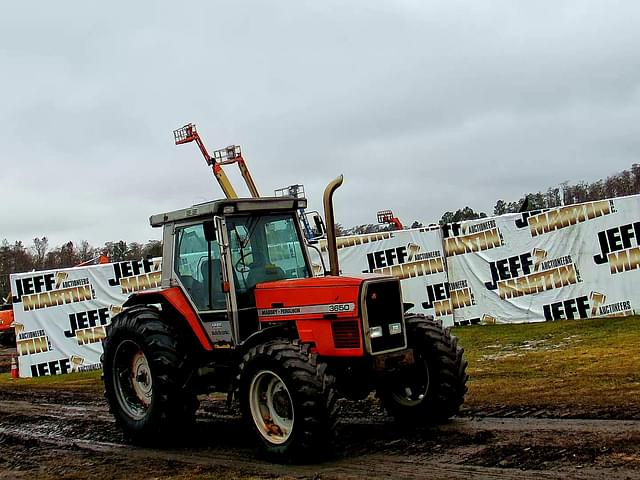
(346, 334)
(383, 308)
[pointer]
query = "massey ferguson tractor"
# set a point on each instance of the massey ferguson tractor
(239, 311)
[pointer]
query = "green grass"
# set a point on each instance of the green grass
(85, 381)
(580, 363)
(572, 363)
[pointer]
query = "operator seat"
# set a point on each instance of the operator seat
(261, 271)
(201, 291)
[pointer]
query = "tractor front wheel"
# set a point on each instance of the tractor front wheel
(432, 390)
(287, 400)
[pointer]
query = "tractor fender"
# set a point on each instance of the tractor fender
(174, 301)
(278, 330)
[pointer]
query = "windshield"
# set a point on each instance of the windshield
(265, 248)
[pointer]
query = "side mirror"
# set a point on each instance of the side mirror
(209, 227)
(318, 223)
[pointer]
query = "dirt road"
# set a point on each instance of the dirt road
(71, 435)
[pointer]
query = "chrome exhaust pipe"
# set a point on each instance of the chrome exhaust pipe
(332, 248)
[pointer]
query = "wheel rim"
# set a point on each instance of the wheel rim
(413, 388)
(271, 407)
(133, 381)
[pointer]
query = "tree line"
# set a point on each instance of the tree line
(16, 257)
(620, 184)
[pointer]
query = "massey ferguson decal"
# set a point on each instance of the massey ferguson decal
(307, 309)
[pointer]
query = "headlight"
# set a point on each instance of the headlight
(375, 332)
(395, 328)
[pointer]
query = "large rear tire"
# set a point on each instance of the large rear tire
(287, 400)
(432, 390)
(147, 369)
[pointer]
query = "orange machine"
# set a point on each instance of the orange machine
(224, 156)
(7, 333)
(387, 217)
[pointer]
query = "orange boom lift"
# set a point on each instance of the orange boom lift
(224, 156)
(387, 217)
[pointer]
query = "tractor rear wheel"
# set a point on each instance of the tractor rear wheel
(432, 390)
(287, 400)
(146, 372)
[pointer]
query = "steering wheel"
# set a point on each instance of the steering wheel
(240, 266)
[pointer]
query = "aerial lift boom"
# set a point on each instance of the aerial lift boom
(224, 156)
(387, 216)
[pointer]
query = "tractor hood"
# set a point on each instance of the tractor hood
(308, 298)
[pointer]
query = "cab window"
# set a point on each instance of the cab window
(265, 248)
(197, 264)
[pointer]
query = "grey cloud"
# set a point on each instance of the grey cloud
(424, 106)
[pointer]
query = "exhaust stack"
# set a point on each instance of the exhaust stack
(332, 249)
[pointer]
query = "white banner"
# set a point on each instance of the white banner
(571, 262)
(60, 315)
(414, 256)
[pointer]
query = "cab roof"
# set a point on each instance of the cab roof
(229, 206)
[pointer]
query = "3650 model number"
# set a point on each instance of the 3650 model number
(340, 307)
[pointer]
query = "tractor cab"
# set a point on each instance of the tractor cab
(217, 252)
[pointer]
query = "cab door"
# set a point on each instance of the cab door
(199, 268)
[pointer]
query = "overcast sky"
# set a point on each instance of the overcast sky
(423, 106)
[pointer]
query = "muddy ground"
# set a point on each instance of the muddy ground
(72, 436)
(6, 354)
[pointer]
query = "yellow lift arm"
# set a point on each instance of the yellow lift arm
(225, 156)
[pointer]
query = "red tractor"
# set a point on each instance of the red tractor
(239, 311)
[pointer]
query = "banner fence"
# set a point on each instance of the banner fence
(572, 262)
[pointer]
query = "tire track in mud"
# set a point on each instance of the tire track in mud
(368, 466)
(368, 446)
